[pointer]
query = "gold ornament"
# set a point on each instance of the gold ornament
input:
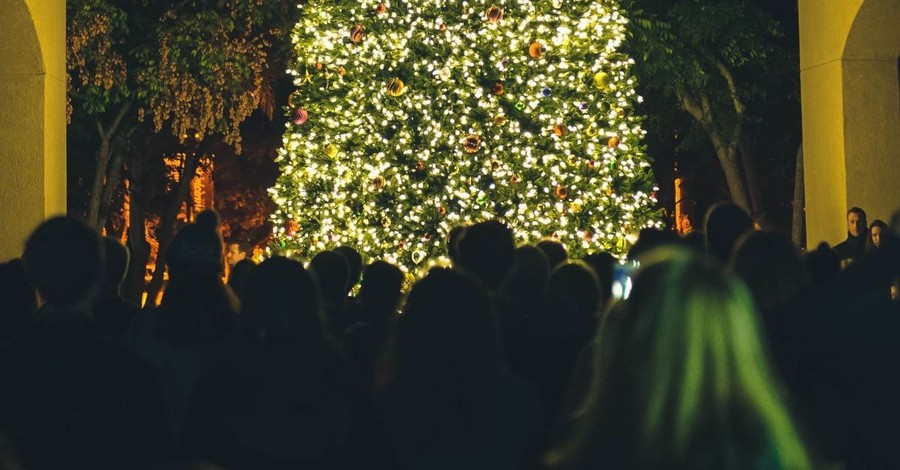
(536, 50)
(420, 165)
(418, 256)
(381, 9)
(379, 182)
(561, 192)
(498, 89)
(471, 143)
(319, 66)
(601, 80)
(442, 210)
(494, 14)
(559, 130)
(358, 33)
(500, 121)
(385, 222)
(514, 179)
(587, 236)
(331, 150)
(592, 131)
(395, 87)
(342, 71)
(575, 207)
(613, 142)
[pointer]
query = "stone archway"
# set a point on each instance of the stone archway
(851, 112)
(32, 117)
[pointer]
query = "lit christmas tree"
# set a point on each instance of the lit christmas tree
(412, 118)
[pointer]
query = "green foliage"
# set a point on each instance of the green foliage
(389, 172)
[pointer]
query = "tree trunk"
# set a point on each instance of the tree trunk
(167, 223)
(114, 176)
(728, 158)
(798, 226)
(108, 146)
(137, 242)
(102, 158)
(748, 160)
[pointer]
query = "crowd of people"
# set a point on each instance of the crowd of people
(732, 350)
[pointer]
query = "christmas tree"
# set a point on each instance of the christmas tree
(411, 118)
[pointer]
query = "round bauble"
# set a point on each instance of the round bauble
(395, 87)
(559, 130)
(498, 89)
(471, 143)
(536, 50)
(494, 14)
(358, 33)
(561, 192)
(601, 80)
(613, 142)
(381, 9)
(299, 116)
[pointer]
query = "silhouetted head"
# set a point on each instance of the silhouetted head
(332, 272)
(240, 277)
(696, 240)
(196, 307)
(116, 266)
(197, 247)
(355, 261)
(64, 262)
(770, 265)
(651, 238)
(603, 265)
(486, 251)
(453, 238)
(447, 325)
(527, 282)
(574, 291)
(725, 223)
(554, 250)
(381, 288)
(19, 302)
(856, 222)
(283, 300)
(823, 264)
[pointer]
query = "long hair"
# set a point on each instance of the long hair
(282, 300)
(443, 354)
(689, 383)
(196, 307)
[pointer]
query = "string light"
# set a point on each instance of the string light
(411, 138)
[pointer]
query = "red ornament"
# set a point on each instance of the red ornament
(381, 9)
(442, 210)
(299, 116)
(498, 88)
(427, 236)
(291, 228)
(559, 130)
(420, 165)
(591, 164)
(613, 142)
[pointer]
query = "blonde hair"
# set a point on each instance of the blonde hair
(686, 381)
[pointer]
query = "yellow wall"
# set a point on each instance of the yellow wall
(851, 114)
(32, 117)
